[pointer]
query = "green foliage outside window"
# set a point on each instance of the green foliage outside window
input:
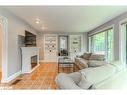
(102, 43)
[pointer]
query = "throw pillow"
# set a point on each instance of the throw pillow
(96, 63)
(86, 56)
(99, 57)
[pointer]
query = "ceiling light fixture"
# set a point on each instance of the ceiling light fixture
(37, 21)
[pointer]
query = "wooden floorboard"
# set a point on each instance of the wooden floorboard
(41, 78)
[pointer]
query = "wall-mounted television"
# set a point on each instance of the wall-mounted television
(30, 39)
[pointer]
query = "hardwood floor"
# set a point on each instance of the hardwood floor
(42, 78)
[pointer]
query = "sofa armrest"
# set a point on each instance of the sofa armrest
(63, 81)
(81, 63)
(76, 77)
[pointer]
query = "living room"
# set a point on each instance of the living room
(42, 45)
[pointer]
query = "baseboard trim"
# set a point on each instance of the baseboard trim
(34, 68)
(12, 77)
(47, 61)
(41, 61)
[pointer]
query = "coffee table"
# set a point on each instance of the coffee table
(65, 60)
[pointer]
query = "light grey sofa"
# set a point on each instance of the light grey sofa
(94, 78)
(89, 60)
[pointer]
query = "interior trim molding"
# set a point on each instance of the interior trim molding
(101, 30)
(4, 24)
(121, 41)
(12, 77)
(41, 61)
(47, 61)
(34, 68)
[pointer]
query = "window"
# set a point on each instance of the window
(98, 43)
(110, 45)
(102, 43)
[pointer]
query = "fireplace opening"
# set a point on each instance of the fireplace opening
(33, 61)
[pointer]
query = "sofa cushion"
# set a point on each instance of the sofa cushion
(84, 83)
(86, 56)
(65, 82)
(101, 73)
(117, 81)
(98, 57)
(76, 76)
(96, 63)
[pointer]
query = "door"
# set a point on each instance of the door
(50, 48)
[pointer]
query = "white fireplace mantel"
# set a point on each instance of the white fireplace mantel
(27, 53)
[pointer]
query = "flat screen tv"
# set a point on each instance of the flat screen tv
(30, 39)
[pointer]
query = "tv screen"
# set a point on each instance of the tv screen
(30, 39)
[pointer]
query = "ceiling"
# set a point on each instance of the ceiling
(66, 18)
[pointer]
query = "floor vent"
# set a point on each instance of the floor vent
(16, 81)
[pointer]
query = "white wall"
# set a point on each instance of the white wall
(85, 42)
(0, 48)
(40, 43)
(16, 27)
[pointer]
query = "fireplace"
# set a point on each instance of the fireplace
(33, 61)
(30, 59)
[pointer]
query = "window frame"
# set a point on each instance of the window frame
(123, 21)
(106, 39)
